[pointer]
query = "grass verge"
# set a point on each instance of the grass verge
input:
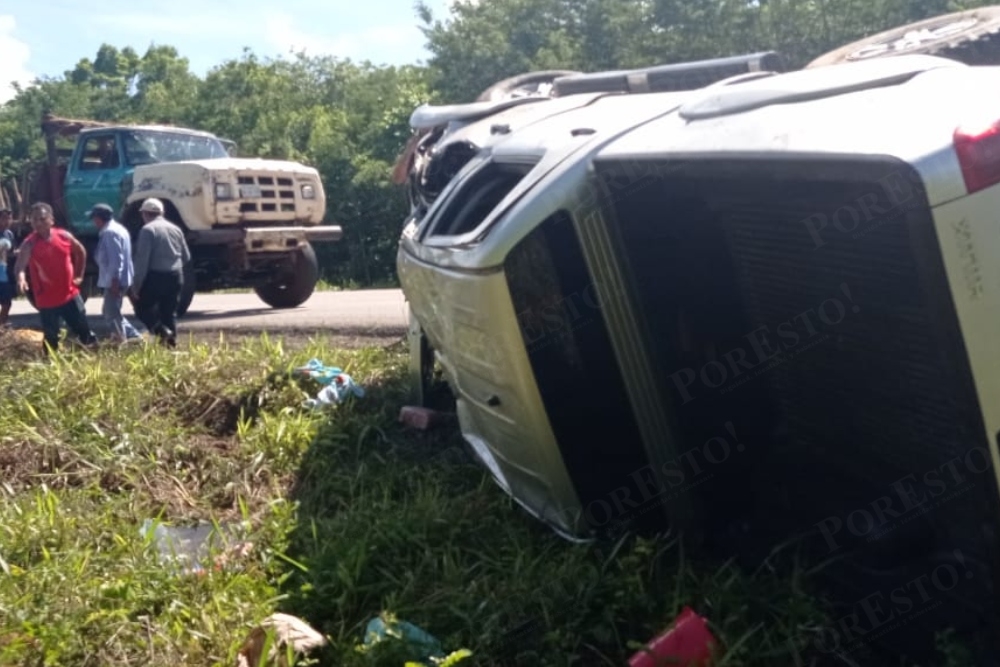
(348, 514)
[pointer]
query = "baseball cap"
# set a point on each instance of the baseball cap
(152, 206)
(102, 211)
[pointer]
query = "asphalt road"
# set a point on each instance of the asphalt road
(355, 313)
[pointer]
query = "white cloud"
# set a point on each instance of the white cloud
(13, 60)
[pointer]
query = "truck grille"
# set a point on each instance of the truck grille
(267, 193)
(833, 267)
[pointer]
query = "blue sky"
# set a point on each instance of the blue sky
(48, 37)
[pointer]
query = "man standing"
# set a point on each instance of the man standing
(114, 264)
(160, 258)
(57, 262)
(6, 253)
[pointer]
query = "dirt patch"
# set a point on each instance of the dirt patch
(220, 415)
(20, 344)
(25, 464)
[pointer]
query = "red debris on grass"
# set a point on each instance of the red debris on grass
(687, 643)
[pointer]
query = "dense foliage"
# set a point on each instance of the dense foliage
(350, 119)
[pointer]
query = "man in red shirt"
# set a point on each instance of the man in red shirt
(56, 261)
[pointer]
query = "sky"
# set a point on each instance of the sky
(48, 37)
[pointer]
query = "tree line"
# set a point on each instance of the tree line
(350, 119)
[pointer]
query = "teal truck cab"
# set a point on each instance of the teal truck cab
(248, 222)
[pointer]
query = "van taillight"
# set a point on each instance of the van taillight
(978, 152)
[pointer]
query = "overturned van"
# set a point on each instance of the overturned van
(753, 310)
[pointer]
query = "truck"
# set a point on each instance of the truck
(249, 222)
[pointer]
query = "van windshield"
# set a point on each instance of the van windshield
(147, 147)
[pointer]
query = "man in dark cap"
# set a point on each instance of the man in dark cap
(115, 272)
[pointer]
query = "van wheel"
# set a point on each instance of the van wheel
(294, 287)
(969, 36)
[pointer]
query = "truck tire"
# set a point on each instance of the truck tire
(295, 287)
(187, 292)
(969, 36)
(29, 296)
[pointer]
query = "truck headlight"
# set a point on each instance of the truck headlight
(308, 192)
(223, 191)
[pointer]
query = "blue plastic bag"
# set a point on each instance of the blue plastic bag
(336, 392)
(384, 627)
(317, 371)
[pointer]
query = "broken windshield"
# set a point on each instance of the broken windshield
(146, 147)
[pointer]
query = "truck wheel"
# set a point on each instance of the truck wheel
(187, 292)
(295, 287)
(968, 36)
(30, 295)
(184, 302)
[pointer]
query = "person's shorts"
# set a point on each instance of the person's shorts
(6, 293)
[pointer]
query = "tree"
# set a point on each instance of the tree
(480, 43)
(350, 120)
(164, 86)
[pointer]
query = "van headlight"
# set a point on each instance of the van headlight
(308, 192)
(223, 191)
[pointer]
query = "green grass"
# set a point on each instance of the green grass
(349, 516)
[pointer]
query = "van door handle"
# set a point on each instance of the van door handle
(76, 181)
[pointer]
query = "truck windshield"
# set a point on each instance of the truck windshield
(144, 147)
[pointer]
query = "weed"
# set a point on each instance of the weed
(349, 516)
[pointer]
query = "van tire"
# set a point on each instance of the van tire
(977, 43)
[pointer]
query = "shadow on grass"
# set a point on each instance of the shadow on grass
(406, 522)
